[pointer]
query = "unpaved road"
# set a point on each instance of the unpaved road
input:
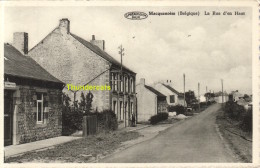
(194, 140)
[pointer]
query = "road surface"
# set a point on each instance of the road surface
(194, 140)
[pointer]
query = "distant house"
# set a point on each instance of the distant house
(172, 95)
(149, 101)
(218, 97)
(235, 95)
(74, 60)
(245, 104)
(203, 98)
(32, 100)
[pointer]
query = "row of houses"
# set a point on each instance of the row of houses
(35, 79)
(155, 99)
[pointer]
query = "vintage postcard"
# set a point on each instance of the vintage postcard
(130, 84)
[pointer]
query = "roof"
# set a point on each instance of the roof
(154, 91)
(242, 102)
(171, 89)
(17, 64)
(220, 94)
(237, 94)
(99, 52)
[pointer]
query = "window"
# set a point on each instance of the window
(112, 81)
(132, 108)
(132, 85)
(121, 110)
(122, 84)
(114, 107)
(115, 81)
(39, 108)
(172, 98)
(126, 111)
(126, 84)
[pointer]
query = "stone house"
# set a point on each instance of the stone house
(74, 60)
(149, 101)
(32, 100)
(173, 97)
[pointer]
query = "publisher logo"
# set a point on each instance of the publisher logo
(136, 15)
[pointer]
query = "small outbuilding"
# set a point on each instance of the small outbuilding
(32, 100)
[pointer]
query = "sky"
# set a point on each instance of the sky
(205, 48)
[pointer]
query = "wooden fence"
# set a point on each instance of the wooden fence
(90, 125)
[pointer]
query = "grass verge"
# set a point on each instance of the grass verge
(79, 151)
(239, 141)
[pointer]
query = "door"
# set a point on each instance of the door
(8, 117)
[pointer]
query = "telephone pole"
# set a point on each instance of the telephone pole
(199, 94)
(121, 52)
(222, 91)
(184, 90)
(206, 93)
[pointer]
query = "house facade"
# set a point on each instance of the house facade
(173, 97)
(32, 100)
(76, 61)
(218, 97)
(149, 101)
(235, 95)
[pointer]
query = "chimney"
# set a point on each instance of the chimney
(99, 43)
(142, 81)
(64, 25)
(20, 42)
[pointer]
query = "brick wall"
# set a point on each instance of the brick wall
(27, 128)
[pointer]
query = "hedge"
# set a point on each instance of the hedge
(158, 117)
(238, 113)
(179, 109)
(106, 120)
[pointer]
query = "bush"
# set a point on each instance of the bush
(158, 117)
(203, 104)
(247, 121)
(178, 108)
(234, 111)
(106, 120)
(71, 120)
(238, 113)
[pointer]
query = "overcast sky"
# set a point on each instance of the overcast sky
(205, 48)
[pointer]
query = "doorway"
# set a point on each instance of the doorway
(8, 117)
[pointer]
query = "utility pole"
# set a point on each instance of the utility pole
(184, 90)
(199, 94)
(222, 91)
(206, 93)
(121, 53)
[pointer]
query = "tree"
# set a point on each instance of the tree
(246, 96)
(65, 99)
(86, 102)
(190, 97)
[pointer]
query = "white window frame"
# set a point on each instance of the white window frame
(121, 83)
(40, 101)
(132, 85)
(115, 81)
(126, 85)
